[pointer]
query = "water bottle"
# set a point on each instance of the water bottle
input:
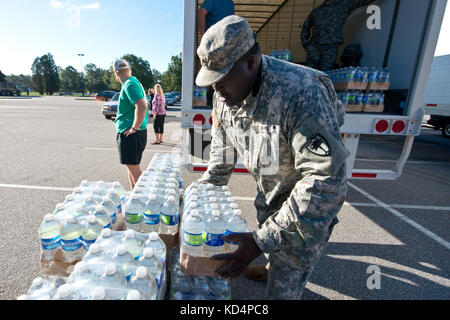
(40, 290)
(158, 246)
(112, 278)
(193, 236)
(132, 243)
(91, 231)
(133, 295)
(151, 214)
(107, 241)
(236, 224)
(215, 228)
(59, 210)
(90, 202)
(65, 292)
(153, 265)
(112, 203)
(169, 216)
(134, 210)
(143, 282)
(200, 286)
(219, 288)
(180, 283)
(81, 275)
(95, 259)
(49, 235)
(71, 241)
(99, 293)
(103, 216)
(124, 261)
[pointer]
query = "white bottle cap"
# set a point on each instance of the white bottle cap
(171, 198)
(99, 293)
(129, 234)
(99, 208)
(110, 269)
(37, 282)
(215, 213)
(60, 206)
(94, 248)
(91, 219)
(121, 249)
(212, 199)
(193, 205)
(81, 267)
(195, 212)
(214, 206)
(237, 212)
(134, 295)
(141, 272)
(70, 218)
(48, 217)
(153, 236)
(148, 252)
(152, 197)
(106, 233)
(234, 205)
(64, 291)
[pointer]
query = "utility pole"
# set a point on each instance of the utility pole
(81, 55)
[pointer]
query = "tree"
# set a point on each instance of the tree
(45, 77)
(140, 68)
(23, 82)
(95, 78)
(71, 80)
(110, 80)
(2, 77)
(157, 75)
(172, 78)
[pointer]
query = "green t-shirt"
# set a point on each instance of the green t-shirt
(132, 92)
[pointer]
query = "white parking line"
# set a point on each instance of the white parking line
(398, 206)
(402, 217)
(18, 186)
(115, 149)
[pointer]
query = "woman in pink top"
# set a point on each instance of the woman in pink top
(159, 113)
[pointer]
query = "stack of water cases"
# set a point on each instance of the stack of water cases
(209, 212)
(78, 221)
(154, 203)
(187, 287)
(120, 265)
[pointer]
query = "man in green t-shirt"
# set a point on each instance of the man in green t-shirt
(131, 120)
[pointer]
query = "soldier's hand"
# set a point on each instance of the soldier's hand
(237, 261)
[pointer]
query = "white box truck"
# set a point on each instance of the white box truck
(405, 44)
(437, 95)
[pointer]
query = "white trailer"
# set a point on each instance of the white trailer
(437, 95)
(405, 44)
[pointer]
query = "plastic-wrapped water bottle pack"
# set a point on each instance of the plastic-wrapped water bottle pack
(77, 222)
(120, 265)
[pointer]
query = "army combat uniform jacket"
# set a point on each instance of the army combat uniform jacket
(288, 137)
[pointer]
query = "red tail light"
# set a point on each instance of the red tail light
(381, 126)
(398, 126)
(199, 120)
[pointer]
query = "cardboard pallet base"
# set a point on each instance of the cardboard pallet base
(199, 266)
(353, 108)
(373, 108)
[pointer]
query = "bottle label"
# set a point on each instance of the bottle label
(133, 218)
(194, 239)
(71, 245)
(108, 226)
(231, 232)
(113, 218)
(151, 219)
(214, 240)
(128, 277)
(50, 244)
(87, 243)
(170, 220)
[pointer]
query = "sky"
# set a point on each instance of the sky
(102, 30)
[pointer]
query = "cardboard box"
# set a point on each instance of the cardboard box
(373, 108)
(199, 266)
(353, 108)
(344, 85)
(57, 267)
(378, 86)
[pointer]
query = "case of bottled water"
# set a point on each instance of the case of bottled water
(192, 287)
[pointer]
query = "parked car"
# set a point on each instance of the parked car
(177, 95)
(109, 108)
(171, 99)
(105, 95)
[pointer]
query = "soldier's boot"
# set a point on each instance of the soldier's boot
(258, 272)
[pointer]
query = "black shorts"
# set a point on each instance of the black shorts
(158, 123)
(131, 147)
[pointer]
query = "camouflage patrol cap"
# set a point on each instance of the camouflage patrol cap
(222, 45)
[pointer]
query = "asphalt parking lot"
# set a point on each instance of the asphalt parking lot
(398, 229)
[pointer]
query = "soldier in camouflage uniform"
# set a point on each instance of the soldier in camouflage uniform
(327, 22)
(283, 120)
